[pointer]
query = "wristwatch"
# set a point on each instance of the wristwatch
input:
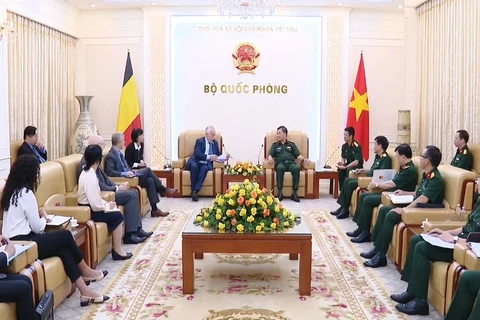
(455, 239)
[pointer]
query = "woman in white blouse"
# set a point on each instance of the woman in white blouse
(23, 221)
(101, 210)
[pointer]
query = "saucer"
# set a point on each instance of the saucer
(74, 225)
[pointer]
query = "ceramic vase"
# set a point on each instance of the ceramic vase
(84, 127)
(403, 127)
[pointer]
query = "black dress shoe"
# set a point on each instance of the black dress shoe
(194, 196)
(362, 237)
(116, 256)
(343, 214)
(144, 234)
(133, 239)
(354, 233)
(336, 212)
(280, 196)
(376, 262)
(294, 197)
(403, 297)
(370, 254)
(414, 308)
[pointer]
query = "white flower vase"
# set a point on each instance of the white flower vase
(84, 127)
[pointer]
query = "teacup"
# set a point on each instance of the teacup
(74, 223)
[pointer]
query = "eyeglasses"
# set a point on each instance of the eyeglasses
(424, 157)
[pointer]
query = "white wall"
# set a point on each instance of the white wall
(381, 36)
(104, 39)
(4, 128)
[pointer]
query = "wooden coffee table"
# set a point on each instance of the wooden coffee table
(228, 179)
(295, 241)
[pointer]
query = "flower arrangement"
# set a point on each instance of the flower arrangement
(246, 208)
(244, 168)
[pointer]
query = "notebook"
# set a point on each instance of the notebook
(475, 246)
(57, 220)
(19, 249)
(383, 175)
(405, 199)
(434, 241)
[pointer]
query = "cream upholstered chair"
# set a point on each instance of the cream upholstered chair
(181, 177)
(14, 146)
(307, 172)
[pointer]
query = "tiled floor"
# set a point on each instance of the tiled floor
(71, 310)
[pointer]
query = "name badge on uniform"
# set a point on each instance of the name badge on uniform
(279, 149)
(289, 148)
(457, 159)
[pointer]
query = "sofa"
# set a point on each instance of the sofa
(181, 176)
(307, 171)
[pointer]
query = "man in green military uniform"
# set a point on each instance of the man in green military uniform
(382, 161)
(352, 157)
(405, 179)
(284, 153)
(417, 267)
(430, 193)
(463, 305)
(463, 158)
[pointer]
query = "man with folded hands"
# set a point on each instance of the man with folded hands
(382, 161)
(430, 194)
(421, 254)
(405, 179)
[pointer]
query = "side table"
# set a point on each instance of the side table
(82, 238)
(166, 176)
(326, 175)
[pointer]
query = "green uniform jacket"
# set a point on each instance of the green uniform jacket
(463, 159)
(286, 152)
(473, 223)
(352, 152)
(382, 161)
(432, 187)
(406, 178)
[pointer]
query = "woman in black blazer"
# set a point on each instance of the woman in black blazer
(134, 151)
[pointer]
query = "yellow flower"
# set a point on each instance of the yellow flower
(242, 192)
(218, 216)
(219, 211)
(231, 202)
(203, 210)
(262, 224)
(292, 217)
(221, 226)
(205, 223)
(199, 219)
(211, 208)
(236, 187)
(244, 174)
(269, 200)
(253, 211)
(249, 170)
(243, 212)
(273, 225)
(258, 228)
(286, 224)
(240, 227)
(276, 200)
(285, 214)
(250, 218)
(277, 209)
(221, 201)
(246, 181)
(264, 205)
(257, 186)
(248, 187)
(206, 214)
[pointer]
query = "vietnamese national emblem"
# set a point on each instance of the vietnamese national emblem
(246, 58)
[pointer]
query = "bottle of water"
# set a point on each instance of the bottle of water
(463, 214)
(456, 215)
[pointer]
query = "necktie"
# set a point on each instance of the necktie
(40, 158)
(124, 163)
(210, 152)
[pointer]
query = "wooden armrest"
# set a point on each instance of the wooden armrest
(81, 213)
(352, 174)
(364, 181)
(178, 164)
(308, 166)
(133, 182)
(443, 225)
(386, 200)
(24, 259)
(107, 195)
(413, 216)
(218, 165)
(267, 165)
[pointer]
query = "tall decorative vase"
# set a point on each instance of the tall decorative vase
(403, 127)
(84, 127)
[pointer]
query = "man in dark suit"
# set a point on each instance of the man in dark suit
(31, 145)
(16, 288)
(205, 152)
(124, 196)
(117, 166)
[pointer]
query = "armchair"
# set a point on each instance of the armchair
(14, 146)
(307, 172)
(181, 176)
(363, 182)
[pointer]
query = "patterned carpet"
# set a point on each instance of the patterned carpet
(262, 287)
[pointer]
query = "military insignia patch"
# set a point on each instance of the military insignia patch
(355, 144)
(246, 58)
(465, 151)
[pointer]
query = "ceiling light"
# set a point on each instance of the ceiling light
(400, 6)
(340, 3)
(93, 5)
(154, 3)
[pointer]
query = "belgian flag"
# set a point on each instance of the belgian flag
(359, 111)
(129, 111)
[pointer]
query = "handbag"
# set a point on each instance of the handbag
(45, 306)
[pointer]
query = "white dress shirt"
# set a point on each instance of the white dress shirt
(23, 218)
(89, 191)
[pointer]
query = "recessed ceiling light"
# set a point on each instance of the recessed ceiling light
(340, 3)
(93, 5)
(400, 6)
(154, 3)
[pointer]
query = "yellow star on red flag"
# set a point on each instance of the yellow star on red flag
(359, 103)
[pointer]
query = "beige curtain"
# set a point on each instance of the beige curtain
(41, 81)
(449, 64)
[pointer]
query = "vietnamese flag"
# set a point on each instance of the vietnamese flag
(129, 111)
(358, 111)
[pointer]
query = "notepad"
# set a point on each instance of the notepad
(57, 220)
(383, 175)
(111, 210)
(403, 199)
(475, 246)
(437, 242)
(19, 249)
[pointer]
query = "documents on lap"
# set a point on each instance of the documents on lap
(19, 249)
(437, 242)
(57, 220)
(397, 199)
(383, 175)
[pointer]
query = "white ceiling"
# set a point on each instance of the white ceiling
(122, 4)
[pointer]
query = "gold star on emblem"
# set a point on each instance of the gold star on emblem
(359, 103)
